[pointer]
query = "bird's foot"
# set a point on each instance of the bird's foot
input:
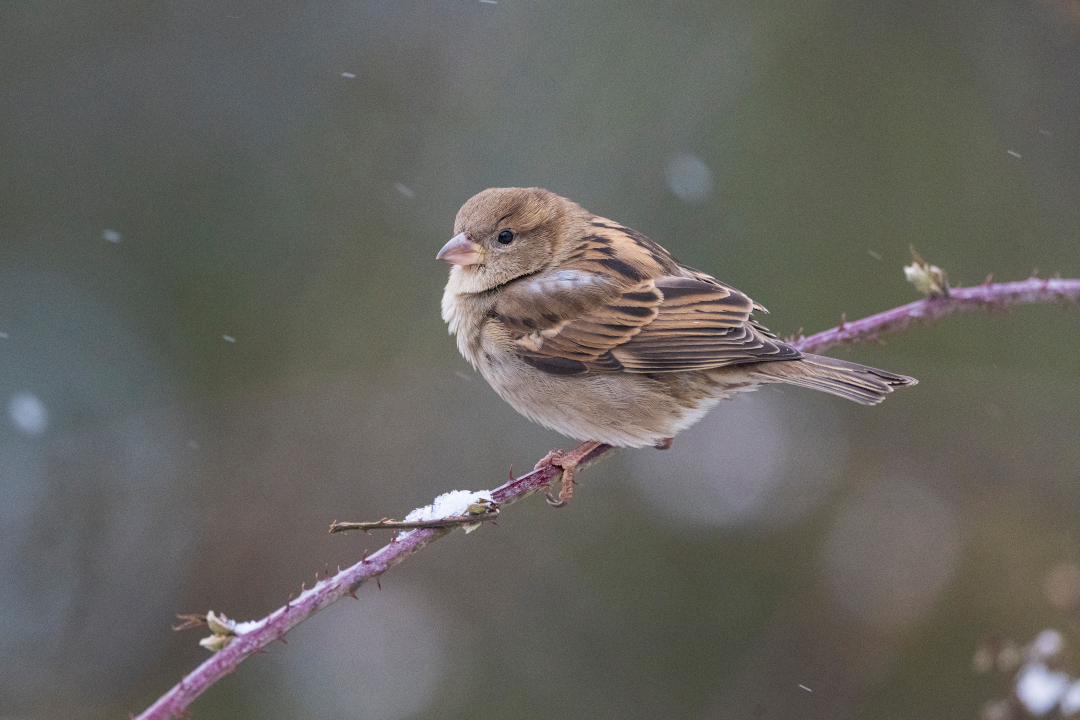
(566, 461)
(664, 444)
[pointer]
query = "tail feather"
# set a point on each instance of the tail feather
(860, 383)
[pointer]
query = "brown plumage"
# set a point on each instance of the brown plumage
(591, 329)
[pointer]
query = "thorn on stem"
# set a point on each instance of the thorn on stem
(189, 620)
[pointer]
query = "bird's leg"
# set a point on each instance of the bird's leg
(664, 444)
(566, 461)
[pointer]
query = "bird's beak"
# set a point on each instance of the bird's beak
(461, 250)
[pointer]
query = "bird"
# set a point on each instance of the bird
(593, 330)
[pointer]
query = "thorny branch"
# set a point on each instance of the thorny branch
(988, 296)
(237, 645)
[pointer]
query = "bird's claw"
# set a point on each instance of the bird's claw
(566, 462)
(553, 502)
(555, 458)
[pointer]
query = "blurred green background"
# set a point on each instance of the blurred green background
(219, 308)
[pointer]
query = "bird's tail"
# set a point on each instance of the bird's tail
(862, 384)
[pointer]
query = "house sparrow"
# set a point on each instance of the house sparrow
(592, 329)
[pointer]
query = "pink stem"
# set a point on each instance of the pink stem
(986, 296)
(173, 703)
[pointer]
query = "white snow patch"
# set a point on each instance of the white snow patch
(241, 628)
(452, 504)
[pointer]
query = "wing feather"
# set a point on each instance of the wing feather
(638, 312)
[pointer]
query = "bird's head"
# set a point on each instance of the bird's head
(506, 233)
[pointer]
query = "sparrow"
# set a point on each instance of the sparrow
(593, 330)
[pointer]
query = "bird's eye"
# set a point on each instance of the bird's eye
(506, 237)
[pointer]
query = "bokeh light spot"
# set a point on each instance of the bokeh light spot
(688, 177)
(382, 658)
(891, 553)
(763, 459)
(28, 413)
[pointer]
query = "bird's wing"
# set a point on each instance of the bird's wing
(596, 297)
(700, 325)
(663, 324)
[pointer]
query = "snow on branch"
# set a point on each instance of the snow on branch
(234, 641)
